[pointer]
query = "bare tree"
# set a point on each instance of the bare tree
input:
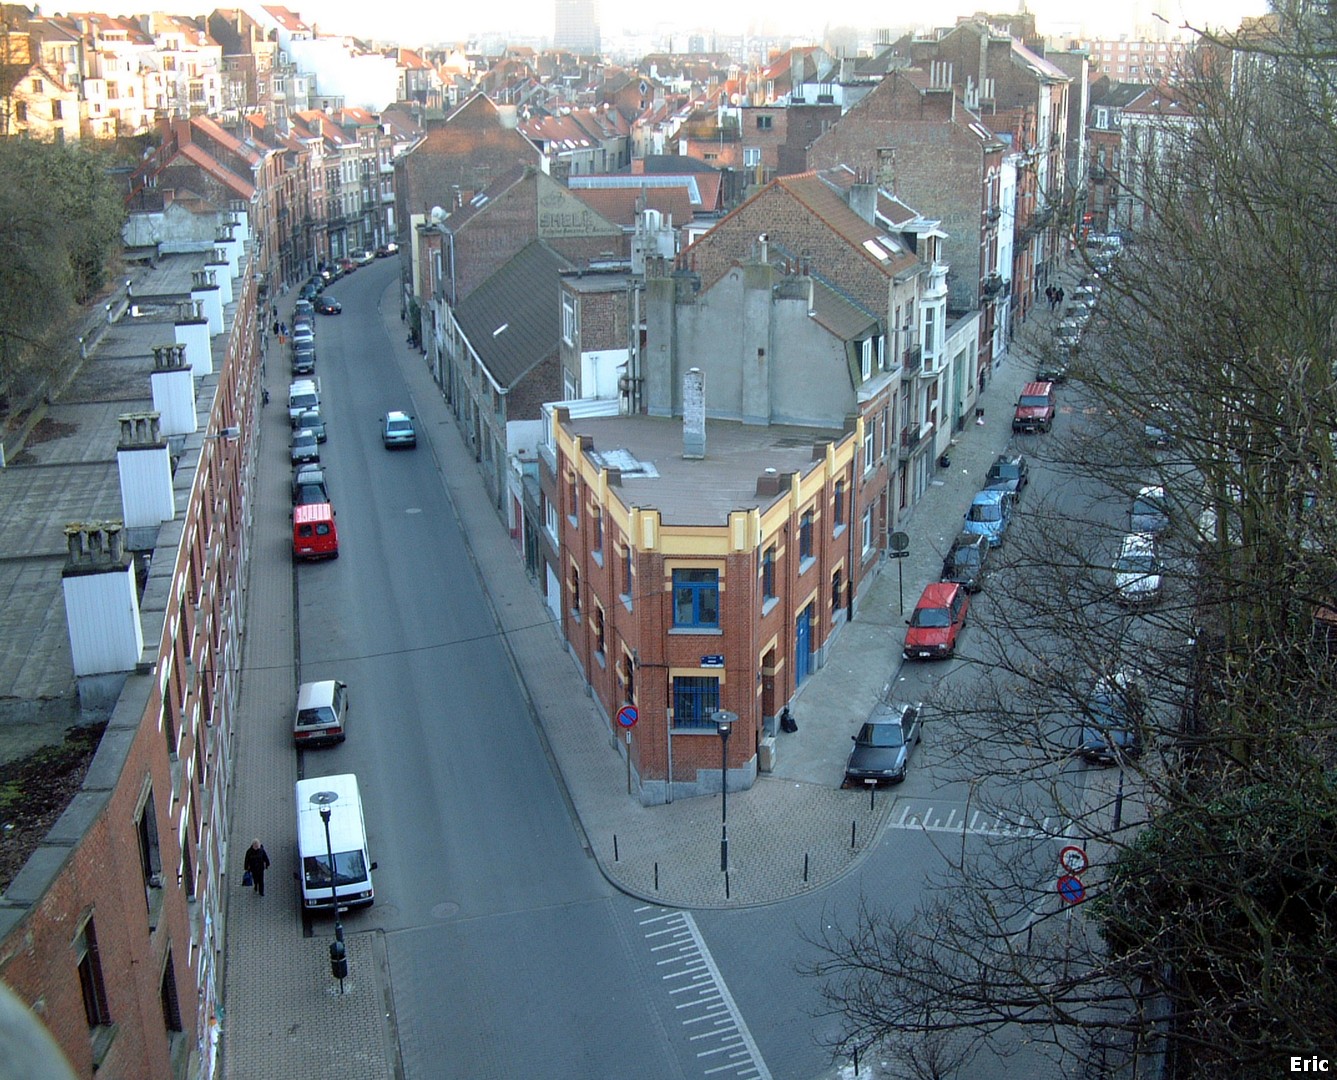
(1206, 945)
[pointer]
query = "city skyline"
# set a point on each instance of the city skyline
(532, 19)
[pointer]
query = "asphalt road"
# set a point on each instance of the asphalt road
(509, 954)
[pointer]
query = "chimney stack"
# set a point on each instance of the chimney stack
(146, 472)
(101, 600)
(694, 415)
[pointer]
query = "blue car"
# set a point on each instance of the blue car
(989, 515)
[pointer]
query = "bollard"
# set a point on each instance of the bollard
(656, 877)
(872, 794)
(614, 847)
(726, 884)
(805, 868)
(854, 825)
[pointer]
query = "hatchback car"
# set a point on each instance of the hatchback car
(309, 291)
(1069, 333)
(1150, 512)
(386, 250)
(304, 360)
(1009, 473)
(328, 305)
(322, 713)
(304, 446)
(313, 422)
(1137, 571)
(307, 477)
(1112, 720)
(397, 430)
(967, 561)
(882, 747)
(936, 622)
(303, 309)
(989, 515)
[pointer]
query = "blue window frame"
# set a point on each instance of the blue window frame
(805, 535)
(694, 699)
(768, 573)
(839, 512)
(696, 598)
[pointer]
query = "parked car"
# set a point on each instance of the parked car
(967, 561)
(1084, 294)
(386, 250)
(989, 515)
(1156, 429)
(304, 446)
(1010, 472)
(310, 476)
(303, 309)
(1112, 719)
(882, 746)
(1137, 571)
(328, 305)
(322, 714)
(1068, 333)
(304, 360)
(303, 335)
(1035, 407)
(361, 258)
(936, 622)
(1054, 368)
(1150, 513)
(397, 430)
(303, 394)
(313, 422)
(309, 291)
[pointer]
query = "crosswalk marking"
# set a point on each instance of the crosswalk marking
(706, 1000)
(921, 817)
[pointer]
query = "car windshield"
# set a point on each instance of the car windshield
(931, 617)
(1147, 508)
(1136, 564)
(986, 512)
(351, 868)
(315, 717)
(965, 556)
(888, 735)
(1034, 401)
(398, 425)
(1007, 470)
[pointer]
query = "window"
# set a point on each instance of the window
(835, 591)
(868, 530)
(838, 509)
(882, 361)
(805, 535)
(751, 157)
(882, 427)
(21, 111)
(57, 110)
(600, 638)
(573, 583)
(146, 830)
(628, 677)
(550, 518)
(171, 1006)
(90, 977)
(696, 598)
(866, 357)
(695, 698)
(765, 122)
(768, 573)
(573, 499)
(569, 319)
(626, 574)
(37, 87)
(597, 529)
(869, 455)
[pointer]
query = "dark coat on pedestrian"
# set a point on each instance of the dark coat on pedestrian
(256, 863)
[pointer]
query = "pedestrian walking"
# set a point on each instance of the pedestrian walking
(1049, 295)
(1059, 296)
(257, 862)
(276, 328)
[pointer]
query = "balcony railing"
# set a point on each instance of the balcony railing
(994, 213)
(914, 438)
(991, 286)
(913, 359)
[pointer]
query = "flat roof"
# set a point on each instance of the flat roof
(704, 492)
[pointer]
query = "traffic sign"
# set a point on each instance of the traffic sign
(1071, 889)
(627, 717)
(1073, 859)
(900, 541)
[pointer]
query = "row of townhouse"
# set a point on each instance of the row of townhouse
(126, 535)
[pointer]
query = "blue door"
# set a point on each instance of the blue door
(802, 646)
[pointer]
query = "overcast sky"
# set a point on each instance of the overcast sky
(413, 22)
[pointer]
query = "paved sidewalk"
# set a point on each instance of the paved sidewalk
(795, 830)
(278, 990)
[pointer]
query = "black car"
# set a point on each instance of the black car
(882, 747)
(1009, 473)
(304, 360)
(328, 305)
(967, 561)
(309, 480)
(1111, 725)
(1054, 369)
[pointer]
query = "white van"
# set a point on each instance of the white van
(347, 839)
(303, 394)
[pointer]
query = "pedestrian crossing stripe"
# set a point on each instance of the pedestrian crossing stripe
(977, 822)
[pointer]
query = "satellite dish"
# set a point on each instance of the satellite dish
(438, 215)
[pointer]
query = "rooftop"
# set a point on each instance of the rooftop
(698, 492)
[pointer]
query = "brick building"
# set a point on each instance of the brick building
(112, 931)
(700, 577)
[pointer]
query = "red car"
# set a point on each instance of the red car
(937, 622)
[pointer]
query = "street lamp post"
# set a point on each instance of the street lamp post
(724, 722)
(338, 952)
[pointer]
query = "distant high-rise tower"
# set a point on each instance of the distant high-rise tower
(577, 26)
